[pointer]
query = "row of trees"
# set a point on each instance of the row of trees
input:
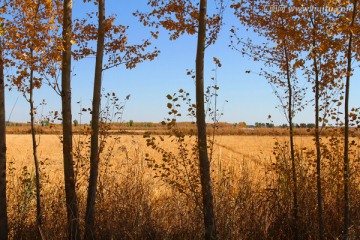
(295, 125)
(319, 46)
(313, 45)
(31, 43)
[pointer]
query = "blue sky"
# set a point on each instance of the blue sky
(250, 97)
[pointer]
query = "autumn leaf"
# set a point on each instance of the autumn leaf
(217, 61)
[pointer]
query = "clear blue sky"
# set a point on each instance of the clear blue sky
(250, 98)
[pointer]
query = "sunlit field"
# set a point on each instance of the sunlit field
(140, 199)
(131, 149)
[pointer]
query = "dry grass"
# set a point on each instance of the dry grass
(251, 187)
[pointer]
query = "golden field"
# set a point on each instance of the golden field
(19, 146)
(230, 150)
(252, 188)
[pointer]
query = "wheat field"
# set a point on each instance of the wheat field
(229, 150)
(138, 199)
(19, 147)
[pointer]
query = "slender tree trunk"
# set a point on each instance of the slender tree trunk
(70, 191)
(3, 203)
(34, 146)
(317, 133)
(346, 134)
(94, 155)
(208, 207)
(346, 148)
(292, 150)
(318, 151)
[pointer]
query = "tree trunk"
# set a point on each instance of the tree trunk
(346, 146)
(318, 152)
(71, 199)
(94, 154)
(3, 203)
(292, 150)
(208, 208)
(34, 146)
(346, 134)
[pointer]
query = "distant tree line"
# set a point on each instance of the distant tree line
(272, 125)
